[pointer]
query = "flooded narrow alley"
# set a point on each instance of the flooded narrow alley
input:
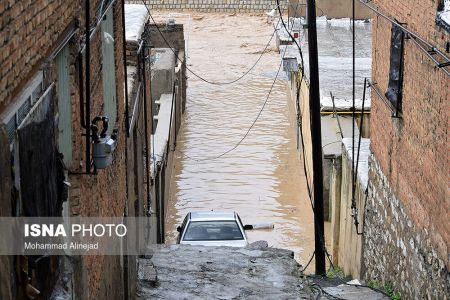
(262, 179)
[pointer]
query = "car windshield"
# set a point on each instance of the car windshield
(213, 231)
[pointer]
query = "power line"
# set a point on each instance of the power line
(249, 129)
(265, 102)
(354, 209)
(195, 73)
(309, 262)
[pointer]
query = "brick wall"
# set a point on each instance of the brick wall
(412, 151)
(29, 32)
(28, 29)
(210, 5)
(103, 194)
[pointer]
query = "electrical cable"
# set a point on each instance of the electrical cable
(267, 98)
(353, 200)
(309, 261)
(195, 73)
(355, 218)
(354, 209)
(249, 129)
(262, 108)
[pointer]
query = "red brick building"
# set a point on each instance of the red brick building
(46, 107)
(407, 233)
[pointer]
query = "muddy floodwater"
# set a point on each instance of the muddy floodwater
(262, 179)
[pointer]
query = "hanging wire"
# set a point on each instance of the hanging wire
(354, 209)
(195, 73)
(353, 200)
(248, 130)
(309, 261)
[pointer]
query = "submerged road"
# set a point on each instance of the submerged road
(262, 179)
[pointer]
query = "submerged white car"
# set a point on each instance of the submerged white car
(213, 229)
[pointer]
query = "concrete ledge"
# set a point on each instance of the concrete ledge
(198, 272)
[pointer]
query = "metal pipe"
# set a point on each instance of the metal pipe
(360, 129)
(432, 58)
(147, 150)
(127, 124)
(316, 139)
(158, 204)
(381, 96)
(337, 116)
(136, 107)
(171, 117)
(175, 116)
(140, 47)
(124, 49)
(81, 89)
(414, 37)
(88, 89)
(151, 99)
(94, 30)
(353, 204)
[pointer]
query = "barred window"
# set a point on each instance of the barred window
(16, 113)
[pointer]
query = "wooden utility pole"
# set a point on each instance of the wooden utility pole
(316, 138)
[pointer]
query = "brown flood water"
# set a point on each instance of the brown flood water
(262, 180)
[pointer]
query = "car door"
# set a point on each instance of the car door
(183, 227)
(241, 226)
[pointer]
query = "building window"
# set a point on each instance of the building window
(109, 75)
(16, 113)
(26, 114)
(394, 91)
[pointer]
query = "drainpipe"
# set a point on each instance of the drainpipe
(124, 49)
(147, 150)
(88, 89)
(126, 278)
(81, 89)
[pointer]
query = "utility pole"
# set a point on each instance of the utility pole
(316, 138)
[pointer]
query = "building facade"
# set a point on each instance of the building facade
(53, 82)
(406, 232)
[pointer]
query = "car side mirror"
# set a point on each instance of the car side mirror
(248, 227)
(179, 228)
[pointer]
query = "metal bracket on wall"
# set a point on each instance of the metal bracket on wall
(373, 86)
(438, 57)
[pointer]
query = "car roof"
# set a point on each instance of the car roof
(212, 216)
